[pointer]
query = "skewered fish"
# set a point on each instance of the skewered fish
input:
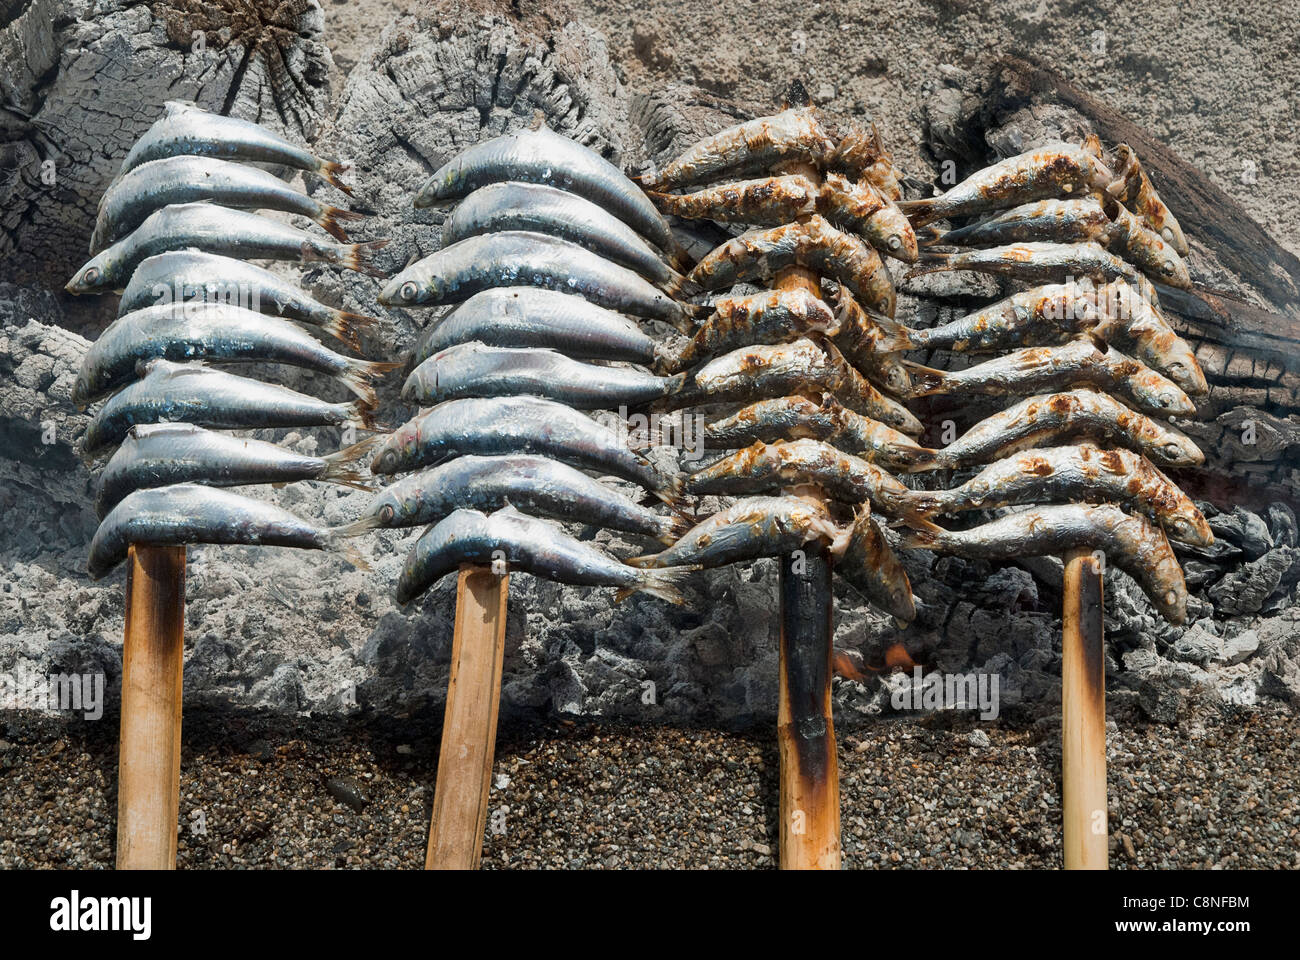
(871, 567)
(750, 528)
(537, 485)
(1128, 317)
(518, 425)
(187, 129)
(518, 258)
(1132, 543)
(770, 316)
(189, 179)
(477, 370)
(1083, 473)
(862, 208)
(861, 155)
(538, 208)
(190, 276)
(868, 340)
(533, 546)
(1042, 221)
(193, 513)
(1039, 263)
(1146, 249)
(215, 332)
(214, 229)
(542, 156)
(161, 454)
(532, 317)
(1132, 188)
(1053, 418)
(191, 393)
(769, 201)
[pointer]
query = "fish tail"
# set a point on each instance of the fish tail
(920, 212)
(359, 373)
(343, 467)
(349, 551)
(930, 235)
(356, 528)
(671, 491)
(664, 583)
(931, 261)
(918, 505)
(679, 258)
(925, 535)
(359, 255)
(677, 285)
(332, 170)
(331, 220)
(926, 459)
(363, 410)
(926, 380)
(347, 327)
(676, 527)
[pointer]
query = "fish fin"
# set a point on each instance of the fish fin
(678, 285)
(332, 170)
(920, 212)
(342, 466)
(927, 459)
(644, 561)
(331, 221)
(925, 536)
(925, 380)
(664, 583)
(678, 525)
(672, 491)
(359, 256)
(364, 411)
(356, 528)
(351, 554)
(359, 373)
(919, 505)
(930, 261)
(346, 326)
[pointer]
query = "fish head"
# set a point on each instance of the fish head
(98, 274)
(1176, 449)
(436, 189)
(1172, 270)
(1165, 396)
(404, 290)
(1188, 525)
(900, 237)
(398, 450)
(1173, 235)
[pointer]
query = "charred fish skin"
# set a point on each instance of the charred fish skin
(862, 208)
(192, 276)
(1146, 249)
(1038, 263)
(515, 258)
(516, 425)
(192, 513)
(533, 546)
(1083, 473)
(1053, 170)
(751, 528)
(814, 243)
(861, 155)
(770, 316)
(477, 370)
(770, 201)
(871, 567)
(191, 179)
(214, 229)
(1131, 542)
(765, 467)
(871, 341)
(544, 157)
(214, 332)
(1034, 369)
(533, 317)
(1041, 316)
(185, 129)
(537, 208)
(157, 455)
(1134, 190)
(1042, 221)
(755, 145)
(1051, 418)
(1125, 315)
(537, 485)
(190, 393)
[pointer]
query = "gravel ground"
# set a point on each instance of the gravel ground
(936, 793)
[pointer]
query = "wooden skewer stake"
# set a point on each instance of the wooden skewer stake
(810, 779)
(1083, 714)
(469, 726)
(149, 752)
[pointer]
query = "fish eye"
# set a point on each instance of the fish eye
(1168, 234)
(409, 290)
(1172, 450)
(91, 276)
(386, 462)
(895, 241)
(1167, 266)
(386, 512)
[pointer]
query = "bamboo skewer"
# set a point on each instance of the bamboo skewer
(149, 753)
(469, 727)
(1083, 715)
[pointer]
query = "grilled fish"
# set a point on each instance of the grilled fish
(534, 546)
(862, 208)
(1126, 316)
(476, 370)
(815, 244)
(185, 129)
(215, 332)
(1035, 369)
(537, 485)
(518, 425)
(868, 340)
(538, 208)
(193, 513)
(215, 229)
(532, 317)
(542, 156)
(1039, 263)
(861, 155)
(1052, 418)
(189, 179)
(1132, 187)
(751, 528)
(517, 258)
(162, 454)
(1083, 473)
(1132, 543)
(184, 276)
(191, 393)
(770, 201)
(770, 316)
(1043, 221)
(871, 567)
(1146, 249)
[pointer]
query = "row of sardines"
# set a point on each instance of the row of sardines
(173, 235)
